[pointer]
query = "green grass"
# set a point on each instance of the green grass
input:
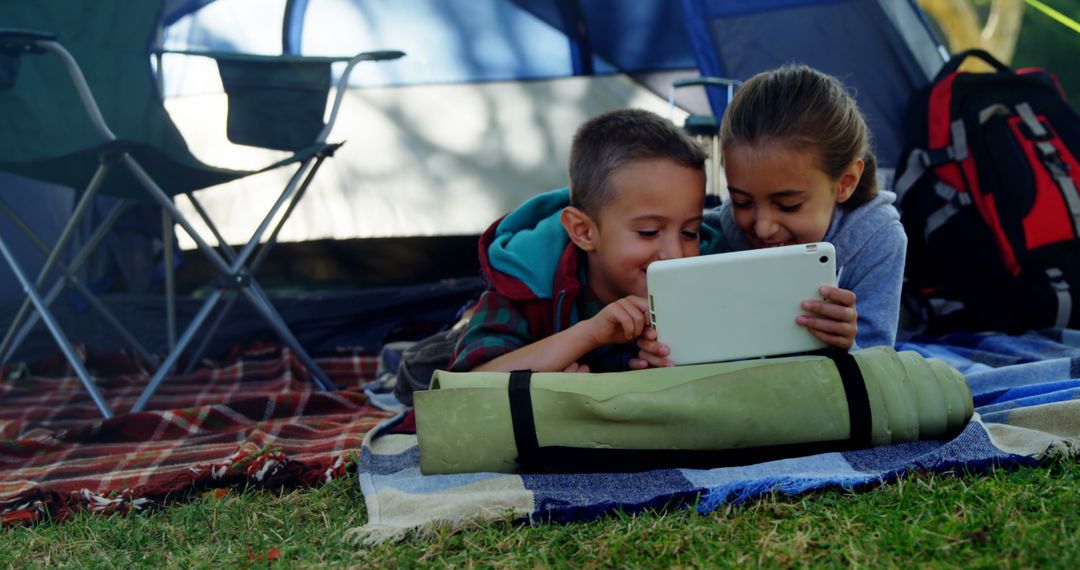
(1023, 518)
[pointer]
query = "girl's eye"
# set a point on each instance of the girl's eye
(741, 205)
(790, 208)
(648, 233)
(690, 234)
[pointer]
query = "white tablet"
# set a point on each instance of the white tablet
(738, 305)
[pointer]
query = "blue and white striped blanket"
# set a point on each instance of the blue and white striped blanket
(1027, 402)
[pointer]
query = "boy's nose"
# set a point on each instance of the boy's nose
(671, 248)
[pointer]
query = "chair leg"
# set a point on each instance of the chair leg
(200, 350)
(263, 306)
(170, 283)
(61, 242)
(58, 334)
(174, 355)
(208, 336)
(233, 271)
(69, 277)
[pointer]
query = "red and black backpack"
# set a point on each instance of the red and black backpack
(987, 191)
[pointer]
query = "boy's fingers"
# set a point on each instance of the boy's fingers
(654, 360)
(640, 302)
(652, 346)
(626, 319)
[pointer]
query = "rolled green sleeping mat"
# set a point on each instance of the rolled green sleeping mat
(701, 416)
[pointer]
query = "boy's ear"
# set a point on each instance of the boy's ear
(580, 227)
(849, 180)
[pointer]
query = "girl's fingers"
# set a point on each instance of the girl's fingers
(839, 296)
(833, 326)
(832, 332)
(835, 340)
(832, 311)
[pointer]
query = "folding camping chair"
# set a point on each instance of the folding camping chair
(707, 127)
(79, 102)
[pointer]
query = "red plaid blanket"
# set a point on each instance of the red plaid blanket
(256, 420)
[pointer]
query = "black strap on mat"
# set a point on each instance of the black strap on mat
(521, 416)
(558, 459)
(858, 401)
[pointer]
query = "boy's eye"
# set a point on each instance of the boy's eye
(690, 234)
(789, 208)
(741, 205)
(648, 233)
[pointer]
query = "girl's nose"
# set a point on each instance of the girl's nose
(764, 225)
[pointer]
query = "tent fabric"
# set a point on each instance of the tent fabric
(471, 53)
(1027, 401)
(860, 42)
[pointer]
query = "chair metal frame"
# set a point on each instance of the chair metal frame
(707, 126)
(235, 271)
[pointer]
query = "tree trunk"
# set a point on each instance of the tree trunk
(959, 21)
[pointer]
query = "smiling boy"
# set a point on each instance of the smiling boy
(566, 269)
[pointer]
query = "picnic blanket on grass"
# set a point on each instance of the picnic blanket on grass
(258, 420)
(1027, 401)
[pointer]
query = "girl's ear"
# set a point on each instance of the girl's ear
(580, 227)
(849, 180)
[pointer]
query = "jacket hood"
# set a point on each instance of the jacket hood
(520, 253)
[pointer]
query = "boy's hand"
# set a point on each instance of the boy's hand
(653, 352)
(834, 320)
(620, 322)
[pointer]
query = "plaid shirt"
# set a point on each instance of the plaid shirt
(498, 327)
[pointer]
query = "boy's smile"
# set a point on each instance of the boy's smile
(780, 196)
(656, 214)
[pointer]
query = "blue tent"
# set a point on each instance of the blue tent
(533, 69)
(881, 49)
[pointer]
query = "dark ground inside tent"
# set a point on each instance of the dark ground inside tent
(332, 294)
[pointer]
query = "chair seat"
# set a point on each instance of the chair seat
(175, 175)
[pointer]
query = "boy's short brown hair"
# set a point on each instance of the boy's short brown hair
(612, 139)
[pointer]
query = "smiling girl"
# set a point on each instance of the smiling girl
(797, 156)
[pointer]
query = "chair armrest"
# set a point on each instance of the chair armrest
(14, 41)
(379, 55)
(707, 81)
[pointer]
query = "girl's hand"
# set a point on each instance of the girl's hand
(653, 352)
(834, 320)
